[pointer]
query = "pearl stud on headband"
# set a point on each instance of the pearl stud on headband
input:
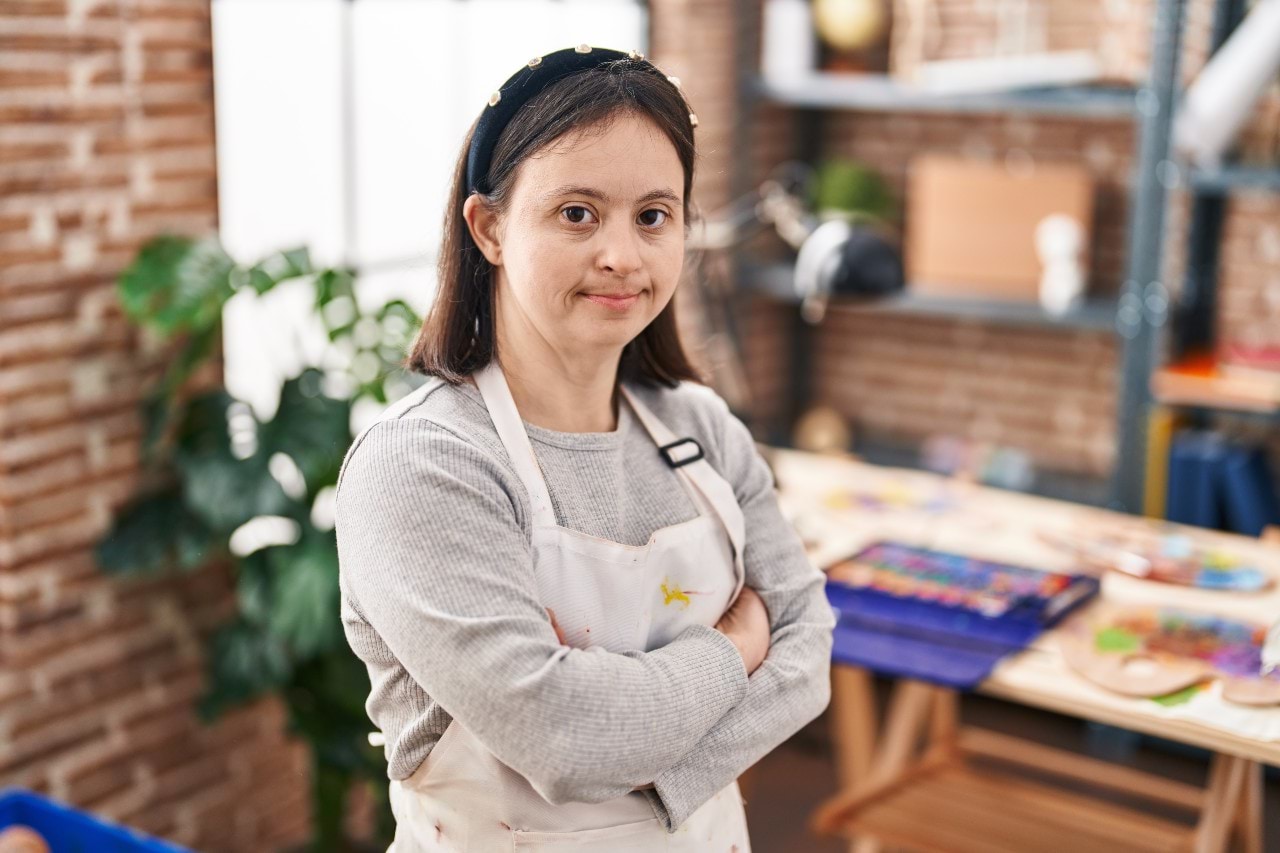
(534, 76)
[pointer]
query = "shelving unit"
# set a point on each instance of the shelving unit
(882, 93)
(1232, 178)
(775, 279)
(1191, 323)
(1143, 310)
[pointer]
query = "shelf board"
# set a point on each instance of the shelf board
(974, 807)
(1226, 179)
(1095, 314)
(1204, 389)
(879, 92)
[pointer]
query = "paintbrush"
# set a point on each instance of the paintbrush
(1271, 649)
(1099, 554)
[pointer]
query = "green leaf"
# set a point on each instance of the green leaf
(333, 283)
(305, 608)
(222, 490)
(225, 492)
(314, 430)
(177, 283)
(254, 588)
(155, 533)
(851, 187)
(244, 662)
(279, 267)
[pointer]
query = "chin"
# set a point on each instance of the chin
(607, 336)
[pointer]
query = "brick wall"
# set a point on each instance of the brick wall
(695, 40)
(1249, 273)
(106, 138)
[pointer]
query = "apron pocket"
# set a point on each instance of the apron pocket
(643, 836)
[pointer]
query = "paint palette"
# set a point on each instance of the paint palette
(1147, 651)
(1165, 556)
(892, 496)
(955, 580)
(940, 617)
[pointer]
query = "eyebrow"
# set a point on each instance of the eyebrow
(653, 195)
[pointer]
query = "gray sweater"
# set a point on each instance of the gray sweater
(439, 600)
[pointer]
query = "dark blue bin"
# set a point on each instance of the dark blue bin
(70, 831)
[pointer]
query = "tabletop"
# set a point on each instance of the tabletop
(839, 505)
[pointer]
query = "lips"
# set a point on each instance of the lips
(615, 301)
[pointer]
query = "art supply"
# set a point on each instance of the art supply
(941, 617)
(1271, 649)
(955, 580)
(1157, 652)
(891, 496)
(1167, 557)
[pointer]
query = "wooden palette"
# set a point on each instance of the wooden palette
(1153, 652)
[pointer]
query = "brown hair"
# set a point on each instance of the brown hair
(457, 336)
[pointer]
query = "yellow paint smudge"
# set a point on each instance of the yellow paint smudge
(673, 593)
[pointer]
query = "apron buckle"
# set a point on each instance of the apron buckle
(665, 450)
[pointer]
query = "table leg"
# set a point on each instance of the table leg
(1222, 802)
(853, 717)
(1249, 816)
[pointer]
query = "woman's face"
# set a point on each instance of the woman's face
(592, 245)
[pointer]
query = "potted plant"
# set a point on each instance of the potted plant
(207, 472)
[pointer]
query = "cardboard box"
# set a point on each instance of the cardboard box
(970, 225)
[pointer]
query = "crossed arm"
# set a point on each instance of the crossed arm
(793, 685)
(431, 549)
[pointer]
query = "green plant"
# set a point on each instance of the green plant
(207, 470)
(847, 188)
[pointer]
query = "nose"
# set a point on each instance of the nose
(619, 248)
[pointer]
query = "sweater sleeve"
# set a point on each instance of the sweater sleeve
(792, 686)
(432, 550)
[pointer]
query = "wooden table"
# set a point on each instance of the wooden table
(921, 768)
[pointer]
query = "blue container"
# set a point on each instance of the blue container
(70, 831)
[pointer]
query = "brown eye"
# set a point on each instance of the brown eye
(662, 213)
(574, 212)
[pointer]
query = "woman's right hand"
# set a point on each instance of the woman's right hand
(746, 623)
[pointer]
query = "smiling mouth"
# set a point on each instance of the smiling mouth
(617, 303)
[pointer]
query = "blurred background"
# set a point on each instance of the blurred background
(967, 236)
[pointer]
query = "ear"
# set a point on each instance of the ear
(483, 224)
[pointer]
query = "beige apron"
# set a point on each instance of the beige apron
(608, 595)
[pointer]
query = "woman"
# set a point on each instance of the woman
(562, 558)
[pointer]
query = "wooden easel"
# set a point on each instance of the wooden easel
(931, 784)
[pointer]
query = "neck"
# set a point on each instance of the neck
(558, 389)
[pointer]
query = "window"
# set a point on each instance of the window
(338, 124)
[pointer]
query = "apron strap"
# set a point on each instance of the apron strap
(715, 490)
(506, 418)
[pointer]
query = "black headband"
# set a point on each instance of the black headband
(537, 74)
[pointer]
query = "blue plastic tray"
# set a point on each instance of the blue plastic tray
(70, 831)
(943, 644)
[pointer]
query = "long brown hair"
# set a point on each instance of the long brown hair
(458, 335)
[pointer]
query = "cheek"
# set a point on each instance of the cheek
(665, 269)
